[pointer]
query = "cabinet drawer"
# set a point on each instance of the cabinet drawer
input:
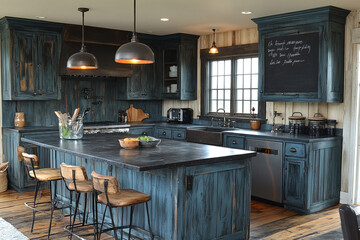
(142, 131)
(164, 133)
(179, 134)
(234, 142)
(295, 149)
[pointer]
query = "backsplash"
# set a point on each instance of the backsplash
(102, 102)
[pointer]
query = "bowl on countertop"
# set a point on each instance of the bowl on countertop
(153, 142)
(134, 143)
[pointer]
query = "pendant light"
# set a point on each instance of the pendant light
(213, 48)
(134, 52)
(82, 59)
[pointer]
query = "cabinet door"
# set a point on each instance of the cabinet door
(142, 83)
(294, 182)
(188, 70)
(24, 69)
(47, 59)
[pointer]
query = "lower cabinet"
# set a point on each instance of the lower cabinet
(294, 181)
(311, 170)
(17, 173)
(145, 131)
(170, 133)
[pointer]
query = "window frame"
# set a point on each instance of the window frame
(226, 53)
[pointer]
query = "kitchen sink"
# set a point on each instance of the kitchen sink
(206, 135)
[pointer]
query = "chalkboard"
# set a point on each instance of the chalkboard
(291, 63)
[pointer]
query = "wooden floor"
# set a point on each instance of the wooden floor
(267, 221)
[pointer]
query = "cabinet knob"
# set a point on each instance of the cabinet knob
(234, 142)
(292, 149)
(179, 135)
(35, 93)
(164, 133)
(144, 133)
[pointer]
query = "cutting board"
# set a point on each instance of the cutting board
(136, 115)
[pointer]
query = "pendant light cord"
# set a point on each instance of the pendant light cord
(134, 36)
(213, 36)
(82, 34)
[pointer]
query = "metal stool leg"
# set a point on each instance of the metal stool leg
(113, 223)
(93, 216)
(85, 203)
(102, 223)
(148, 217)
(131, 215)
(52, 209)
(36, 192)
(77, 196)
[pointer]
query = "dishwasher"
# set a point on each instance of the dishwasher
(266, 169)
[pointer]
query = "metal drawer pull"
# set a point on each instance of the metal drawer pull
(234, 142)
(292, 149)
(144, 133)
(164, 133)
(179, 135)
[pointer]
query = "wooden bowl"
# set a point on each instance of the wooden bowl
(134, 143)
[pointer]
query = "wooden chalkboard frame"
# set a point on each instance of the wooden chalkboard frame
(291, 63)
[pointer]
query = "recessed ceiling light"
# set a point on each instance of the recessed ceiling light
(164, 19)
(40, 17)
(246, 12)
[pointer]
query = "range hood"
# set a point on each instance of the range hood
(101, 42)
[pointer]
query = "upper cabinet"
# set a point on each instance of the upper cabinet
(172, 76)
(30, 52)
(179, 78)
(301, 56)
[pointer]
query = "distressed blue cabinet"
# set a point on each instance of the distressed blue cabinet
(316, 75)
(145, 80)
(143, 130)
(170, 133)
(18, 177)
(179, 50)
(234, 141)
(30, 52)
(294, 181)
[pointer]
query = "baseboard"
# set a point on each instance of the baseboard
(345, 198)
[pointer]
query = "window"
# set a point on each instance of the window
(231, 83)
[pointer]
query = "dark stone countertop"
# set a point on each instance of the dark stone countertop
(169, 154)
(282, 136)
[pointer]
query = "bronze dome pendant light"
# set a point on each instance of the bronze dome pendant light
(134, 52)
(82, 59)
(213, 49)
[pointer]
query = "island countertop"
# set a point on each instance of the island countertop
(169, 153)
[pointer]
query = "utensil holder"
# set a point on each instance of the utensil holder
(71, 129)
(255, 124)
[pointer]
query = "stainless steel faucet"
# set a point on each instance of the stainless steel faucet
(217, 112)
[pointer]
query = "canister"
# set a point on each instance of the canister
(331, 127)
(317, 125)
(297, 123)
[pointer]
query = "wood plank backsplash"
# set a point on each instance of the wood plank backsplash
(246, 36)
(41, 113)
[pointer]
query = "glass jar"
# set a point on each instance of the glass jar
(297, 123)
(331, 127)
(71, 129)
(19, 120)
(317, 125)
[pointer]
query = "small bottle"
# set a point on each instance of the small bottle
(125, 117)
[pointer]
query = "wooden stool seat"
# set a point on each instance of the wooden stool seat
(125, 197)
(46, 174)
(82, 186)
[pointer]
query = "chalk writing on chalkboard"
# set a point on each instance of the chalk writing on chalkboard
(291, 63)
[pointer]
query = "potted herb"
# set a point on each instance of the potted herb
(254, 124)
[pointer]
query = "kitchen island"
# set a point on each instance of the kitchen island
(198, 191)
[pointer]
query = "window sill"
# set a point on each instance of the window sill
(233, 118)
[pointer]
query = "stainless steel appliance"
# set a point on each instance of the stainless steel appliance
(180, 115)
(105, 127)
(266, 169)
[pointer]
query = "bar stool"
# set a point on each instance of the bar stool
(41, 175)
(76, 180)
(107, 192)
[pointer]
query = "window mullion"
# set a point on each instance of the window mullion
(233, 87)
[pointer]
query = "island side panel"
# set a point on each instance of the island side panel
(217, 207)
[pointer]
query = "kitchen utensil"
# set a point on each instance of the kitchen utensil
(135, 115)
(86, 111)
(149, 143)
(76, 113)
(297, 123)
(134, 143)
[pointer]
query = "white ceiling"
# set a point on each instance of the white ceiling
(186, 16)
